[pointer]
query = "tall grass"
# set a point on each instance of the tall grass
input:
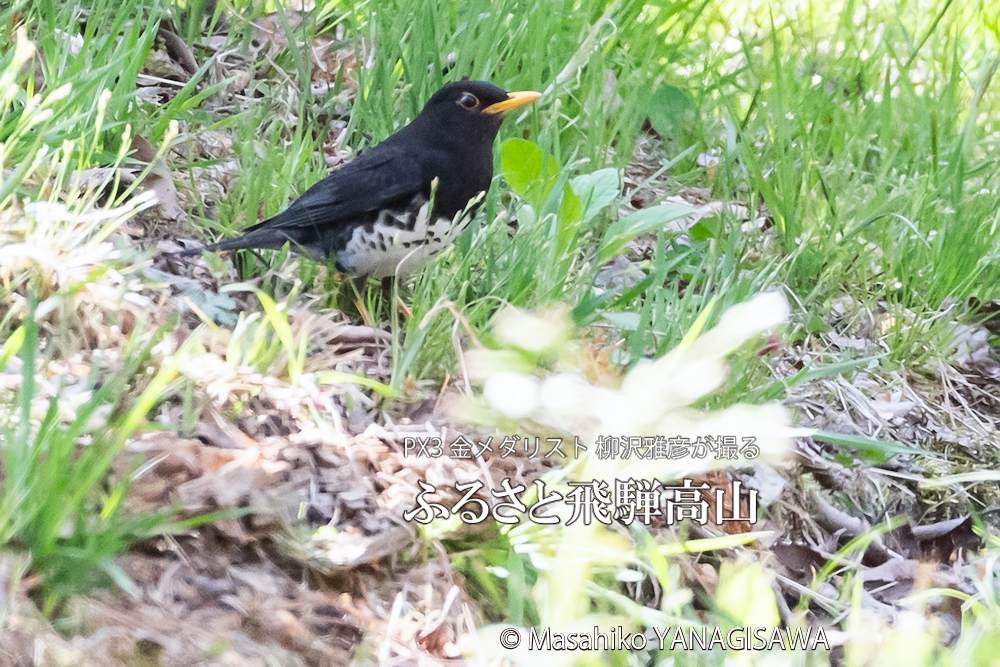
(68, 103)
(864, 135)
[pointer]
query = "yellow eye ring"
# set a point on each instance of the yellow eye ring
(468, 100)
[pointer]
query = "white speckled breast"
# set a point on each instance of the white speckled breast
(398, 242)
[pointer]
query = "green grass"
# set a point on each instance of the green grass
(865, 135)
(63, 285)
(874, 184)
(55, 503)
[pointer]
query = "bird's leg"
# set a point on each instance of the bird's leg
(388, 283)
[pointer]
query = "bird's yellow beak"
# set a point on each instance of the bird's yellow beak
(513, 100)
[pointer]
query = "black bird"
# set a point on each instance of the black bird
(371, 215)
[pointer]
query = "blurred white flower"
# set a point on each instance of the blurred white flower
(531, 332)
(653, 398)
(513, 395)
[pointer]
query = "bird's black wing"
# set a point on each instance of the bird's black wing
(376, 180)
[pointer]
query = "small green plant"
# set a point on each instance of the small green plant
(58, 500)
(64, 273)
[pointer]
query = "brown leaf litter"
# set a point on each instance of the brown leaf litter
(320, 568)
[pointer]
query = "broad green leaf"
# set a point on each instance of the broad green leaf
(596, 190)
(631, 226)
(671, 111)
(706, 228)
(521, 163)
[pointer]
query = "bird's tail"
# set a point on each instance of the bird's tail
(262, 238)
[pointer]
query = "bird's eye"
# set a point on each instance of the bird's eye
(468, 100)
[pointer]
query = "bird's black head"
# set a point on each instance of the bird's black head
(471, 109)
(451, 140)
